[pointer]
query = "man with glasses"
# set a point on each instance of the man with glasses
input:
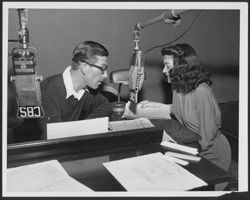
(69, 96)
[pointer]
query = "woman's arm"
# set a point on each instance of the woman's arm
(206, 110)
(151, 110)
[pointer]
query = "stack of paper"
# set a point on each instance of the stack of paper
(152, 172)
(47, 176)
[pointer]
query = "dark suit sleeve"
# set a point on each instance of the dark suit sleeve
(51, 108)
(101, 107)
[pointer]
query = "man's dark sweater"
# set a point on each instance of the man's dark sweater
(59, 109)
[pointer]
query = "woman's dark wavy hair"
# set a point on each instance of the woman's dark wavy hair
(187, 73)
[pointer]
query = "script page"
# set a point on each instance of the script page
(47, 176)
(152, 172)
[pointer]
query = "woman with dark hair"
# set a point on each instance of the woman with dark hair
(194, 104)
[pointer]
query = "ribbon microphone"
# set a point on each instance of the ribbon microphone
(25, 78)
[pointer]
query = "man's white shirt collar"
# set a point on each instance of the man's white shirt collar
(69, 85)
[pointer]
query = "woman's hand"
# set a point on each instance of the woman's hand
(150, 110)
(151, 104)
(153, 110)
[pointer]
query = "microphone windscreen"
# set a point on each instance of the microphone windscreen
(136, 71)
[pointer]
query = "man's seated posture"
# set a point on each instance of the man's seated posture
(71, 95)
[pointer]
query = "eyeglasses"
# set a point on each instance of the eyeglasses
(98, 67)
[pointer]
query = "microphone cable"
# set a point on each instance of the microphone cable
(180, 36)
(10, 40)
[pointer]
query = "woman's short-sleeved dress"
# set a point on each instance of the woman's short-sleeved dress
(199, 111)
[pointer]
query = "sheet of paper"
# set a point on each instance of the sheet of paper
(152, 173)
(176, 160)
(130, 124)
(77, 128)
(47, 176)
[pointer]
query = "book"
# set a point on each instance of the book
(179, 147)
(183, 156)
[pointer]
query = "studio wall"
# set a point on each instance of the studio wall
(214, 35)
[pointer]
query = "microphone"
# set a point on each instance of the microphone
(136, 75)
(136, 78)
(169, 17)
(25, 78)
(27, 83)
(172, 17)
(136, 72)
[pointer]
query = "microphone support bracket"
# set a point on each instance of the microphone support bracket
(169, 17)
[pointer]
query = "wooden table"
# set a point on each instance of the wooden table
(82, 156)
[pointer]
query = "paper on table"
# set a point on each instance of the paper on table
(152, 173)
(47, 176)
(176, 160)
(130, 124)
(77, 128)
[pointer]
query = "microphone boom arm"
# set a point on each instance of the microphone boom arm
(169, 16)
(137, 66)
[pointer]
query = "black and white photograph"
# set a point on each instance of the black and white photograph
(124, 99)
